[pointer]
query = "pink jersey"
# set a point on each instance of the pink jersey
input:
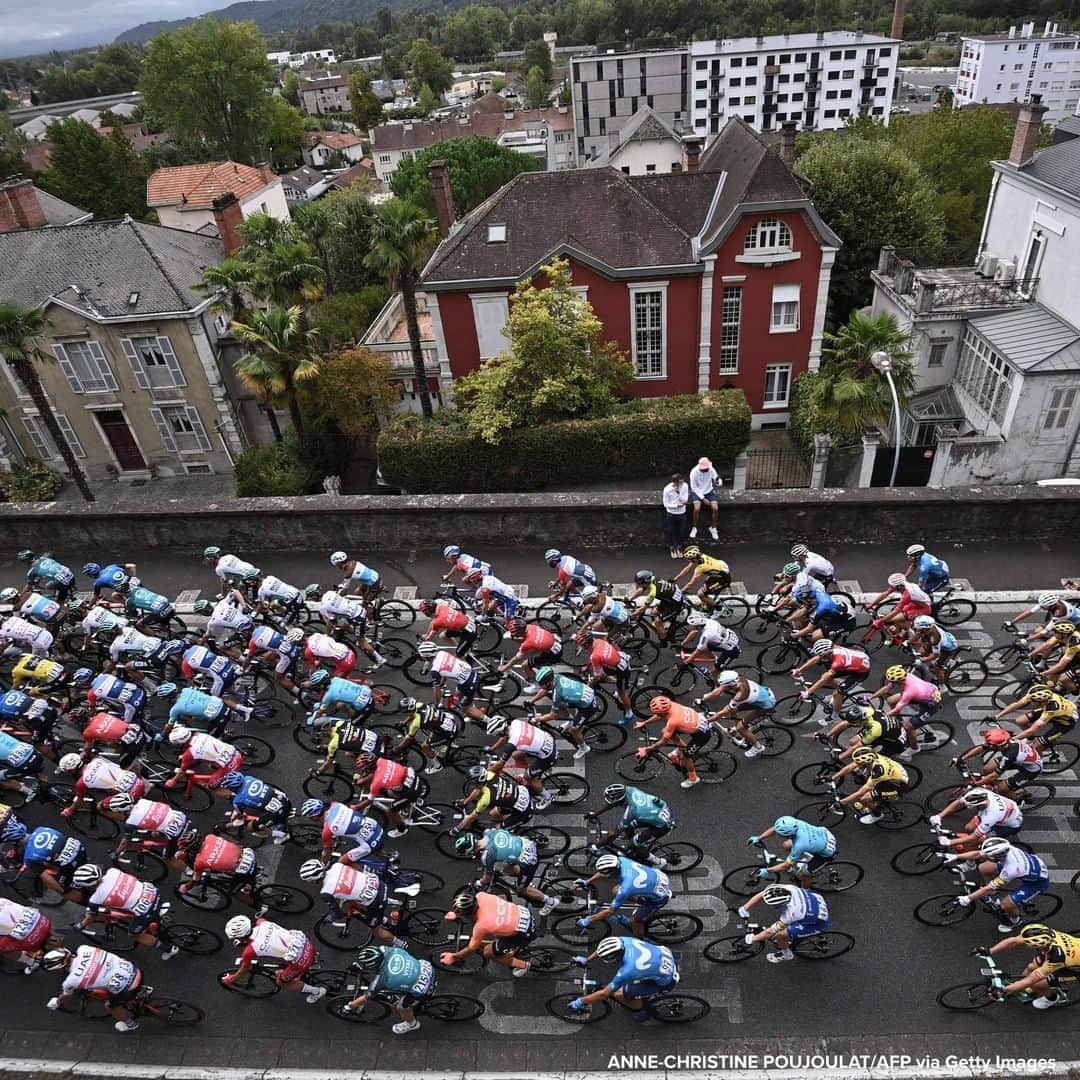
(918, 691)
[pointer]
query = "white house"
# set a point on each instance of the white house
(320, 147)
(646, 145)
(304, 184)
(183, 195)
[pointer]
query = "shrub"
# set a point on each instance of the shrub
(806, 419)
(638, 439)
(30, 482)
(274, 470)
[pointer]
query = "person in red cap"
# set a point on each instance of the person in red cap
(704, 484)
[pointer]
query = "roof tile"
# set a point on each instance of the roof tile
(195, 187)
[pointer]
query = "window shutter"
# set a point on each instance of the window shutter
(197, 424)
(137, 367)
(165, 345)
(69, 435)
(43, 445)
(108, 379)
(68, 368)
(785, 294)
(163, 429)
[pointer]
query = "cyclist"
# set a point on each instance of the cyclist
(885, 734)
(750, 703)
(601, 611)
(266, 940)
(809, 848)
(17, 629)
(432, 729)
(902, 688)
(1012, 871)
(342, 822)
(573, 705)
(30, 714)
(715, 642)
(648, 887)
(229, 616)
(202, 660)
(1052, 716)
(608, 661)
(461, 563)
(537, 648)
(1056, 609)
(364, 580)
(192, 707)
(995, 815)
(145, 607)
(572, 574)
(267, 642)
(492, 595)
(500, 851)
(398, 977)
(147, 819)
(805, 914)
(450, 624)
(321, 650)
(25, 934)
(880, 781)
(103, 975)
(1064, 674)
(229, 569)
(685, 728)
(101, 621)
(259, 805)
(503, 799)
(645, 971)
(527, 746)
(104, 730)
(1055, 951)
(351, 893)
(34, 607)
(131, 645)
(821, 614)
(912, 603)
(386, 779)
(40, 673)
(275, 595)
(929, 571)
(112, 577)
(352, 737)
(115, 891)
(201, 748)
(108, 691)
(646, 819)
(847, 668)
(933, 644)
(336, 609)
(661, 597)
(49, 856)
(448, 668)
(499, 930)
(19, 761)
(814, 565)
(1016, 762)
(784, 584)
(46, 572)
(221, 858)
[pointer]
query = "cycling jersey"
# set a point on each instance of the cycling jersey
(638, 882)
(466, 563)
(1058, 710)
(946, 643)
(931, 573)
(194, 705)
(213, 751)
(12, 829)
(755, 697)
(142, 601)
(645, 963)
(913, 601)
(48, 845)
(886, 771)
(42, 608)
(15, 705)
(356, 886)
(113, 576)
(324, 647)
(403, 973)
(496, 918)
(47, 570)
(207, 662)
(708, 567)
(1020, 754)
(568, 693)
(606, 657)
(448, 617)
(503, 848)
(267, 639)
(106, 728)
(914, 690)
(1065, 952)
(825, 606)
(100, 774)
(715, 635)
(539, 640)
(228, 615)
(332, 605)
(341, 820)
(118, 891)
(1020, 866)
(364, 575)
(880, 727)
(38, 670)
(17, 923)
(16, 628)
(272, 588)
(614, 611)
(229, 566)
(531, 740)
(848, 661)
(448, 666)
(96, 969)
(645, 809)
(683, 720)
(351, 695)
(350, 735)
(220, 856)
(998, 811)
(804, 906)
(257, 795)
(101, 620)
(491, 588)
(392, 778)
(665, 594)
(130, 640)
(156, 817)
(14, 754)
(108, 689)
(817, 565)
(811, 840)
(573, 572)
(502, 793)
(269, 941)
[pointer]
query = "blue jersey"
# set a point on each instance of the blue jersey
(931, 572)
(616, 612)
(112, 576)
(146, 601)
(812, 840)
(946, 642)
(639, 882)
(578, 572)
(345, 692)
(15, 704)
(645, 809)
(46, 844)
(14, 752)
(111, 689)
(200, 658)
(271, 640)
(48, 570)
(825, 605)
(195, 705)
(641, 960)
(257, 795)
(343, 820)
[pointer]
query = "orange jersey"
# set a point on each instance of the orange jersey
(496, 917)
(682, 720)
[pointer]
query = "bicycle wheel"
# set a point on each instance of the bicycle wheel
(790, 711)
(330, 787)
(172, 1011)
(964, 997)
(200, 798)
(254, 984)
(1003, 659)
(679, 856)
(759, 629)
(196, 940)
(559, 1006)
(425, 926)
(935, 734)
(1034, 795)
(966, 677)
(837, 877)
(306, 835)
(679, 679)
(550, 841)
(397, 652)
(640, 698)
(677, 1008)
(312, 739)
(954, 611)
(463, 758)
(1008, 692)
(824, 946)
(428, 881)
(566, 788)
(639, 770)
(917, 860)
(451, 1008)
(397, 614)
(730, 610)
(94, 826)
(897, 814)
(776, 740)
(257, 752)
(821, 813)
(938, 799)
(673, 927)
(546, 959)
(715, 766)
(342, 937)
(744, 880)
(942, 910)
(779, 659)
(488, 639)
(1059, 756)
(571, 897)
(373, 1011)
(731, 950)
(579, 860)
(145, 865)
(418, 671)
(284, 899)
(814, 779)
(603, 737)
(203, 895)
(566, 928)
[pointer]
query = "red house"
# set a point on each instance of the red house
(712, 277)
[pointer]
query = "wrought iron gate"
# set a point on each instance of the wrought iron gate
(780, 467)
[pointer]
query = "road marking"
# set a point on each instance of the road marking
(850, 586)
(737, 588)
(531, 1023)
(405, 592)
(187, 596)
(521, 591)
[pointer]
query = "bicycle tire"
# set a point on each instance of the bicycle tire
(397, 652)
(731, 949)
(546, 959)
(942, 910)
(550, 841)
(673, 927)
(744, 880)
(677, 1008)
(1003, 659)
(776, 739)
(559, 1006)
(330, 787)
(258, 984)
(396, 614)
(467, 965)
(760, 630)
(954, 611)
(779, 659)
(827, 945)
(964, 997)
(730, 610)
(813, 779)
(488, 640)
(1034, 796)
(348, 938)
(312, 740)
(1009, 692)
(935, 734)
(603, 737)
(172, 1011)
(939, 798)
(306, 835)
(199, 800)
(257, 752)
(283, 899)
(917, 860)
(566, 929)
(1041, 907)
(837, 877)
(639, 770)
(821, 812)
(715, 766)
(1059, 756)
(197, 940)
(145, 865)
(425, 926)
(640, 698)
(373, 1012)
(572, 900)
(966, 677)
(554, 614)
(569, 788)
(678, 679)
(451, 1008)
(417, 671)
(93, 826)
(899, 814)
(203, 895)
(790, 711)
(242, 836)
(679, 856)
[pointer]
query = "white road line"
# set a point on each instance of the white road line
(405, 592)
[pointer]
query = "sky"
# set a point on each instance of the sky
(69, 24)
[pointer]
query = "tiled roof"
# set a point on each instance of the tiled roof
(1070, 125)
(1032, 338)
(1058, 166)
(58, 212)
(303, 178)
(98, 266)
(195, 187)
(360, 171)
(643, 126)
(338, 140)
(329, 83)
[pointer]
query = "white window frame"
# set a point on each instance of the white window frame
(984, 377)
(768, 234)
(775, 402)
(104, 383)
(479, 300)
(1059, 406)
(138, 361)
(730, 327)
(161, 415)
(42, 441)
(1024, 286)
(785, 309)
(646, 288)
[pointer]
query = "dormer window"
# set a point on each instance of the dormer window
(769, 234)
(496, 234)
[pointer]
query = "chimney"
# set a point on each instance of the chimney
(787, 143)
(24, 204)
(439, 171)
(820, 36)
(8, 221)
(228, 217)
(1028, 128)
(693, 153)
(551, 38)
(898, 12)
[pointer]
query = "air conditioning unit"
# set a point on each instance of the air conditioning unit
(988, 264)
(1006, 271)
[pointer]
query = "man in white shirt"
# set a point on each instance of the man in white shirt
(676, 496)
(705, 483)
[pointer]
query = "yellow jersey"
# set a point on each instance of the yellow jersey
(36, 670)
(885, 770)
(1065, 952)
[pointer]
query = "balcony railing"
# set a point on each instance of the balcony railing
(400, 357)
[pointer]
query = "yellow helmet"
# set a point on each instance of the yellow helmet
(1043, 695)
(1064, 628)
(1038, 934)
(863, 755)
(895, 673)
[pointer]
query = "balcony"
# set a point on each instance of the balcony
(389, 335)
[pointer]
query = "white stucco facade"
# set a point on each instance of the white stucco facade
(270, 200)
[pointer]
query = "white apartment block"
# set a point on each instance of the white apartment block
(1020, 65)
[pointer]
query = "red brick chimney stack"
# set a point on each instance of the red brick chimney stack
(19, 206)
(693, 153)
(898, 12)
(229, 217)
(1028, 128)
(439, 171)
(8, 221)
(787, 143)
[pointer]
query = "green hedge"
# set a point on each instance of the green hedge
(806, 421)
(640, 439)
(274, 470)
(30, 482)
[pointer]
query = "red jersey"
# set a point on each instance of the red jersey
(104, 727)
(537, 639)
(218, 855)
(604, 655)
(388, 775)
(449, 618)
(851, 660)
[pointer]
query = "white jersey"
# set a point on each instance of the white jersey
(158, 817)
(326, 648)
(213, 751)
(999, 811)
(715, 635)
(273, 588)
(101, 618)
(332, 605)
(101, 774)
(448, 666)
(118, 891)
(130, 640)
(530, 739)
(273, 942)
(96, 969)
(43, 608)
(818, 565)
(229, 566)
(16, 921)
(15, 628)
(344, 883)
(229, 613)
(798, 908)
(494, 587)
(915, 594)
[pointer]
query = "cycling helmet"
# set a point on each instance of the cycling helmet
(852, 714)
(1042, 695)
(78, 716)
(607, 863)
(589, 592)
(202, 607)
(180, 735)
(212, 552)
(368, 958)
(644, 577)
(1047, 600)
(82, 676)
(426, 607)
(545, 673)
(614, 793)
(477, 774)
(895, 673)
(897, 581)
(691, 552)
(87, 876)
(312, 590)
(294, 636)
(1038, 934)
(124, 586)
(408, 704)
(312, 808)
(822, 647)
(996, 736)
(238, 928)
(451, 551)
(776, 895)
(427, 650)
(232, 780)
(76, 604)
(924, 622)
(791, 569)
(496, 725)
(695, 618)
(863, 755)
(474, 577)
(56, 959)
(610, 946)
(1062, 629)
(552, 555)
(26, 555)
(915, 551)
(786, 826)
(166, 690)
(465, 844)
(994, 847)
(120, 803)
(660, 705)
(312, 870)
(465, 901)
(515, 627)
(189, 838)
(338, 558)
(799, 550)
(583, 637)
(8, 595)
(318, 678)
(365, 763)
(727, 678)
(976, 796)
(69, 763)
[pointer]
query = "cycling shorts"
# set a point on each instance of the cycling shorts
(805, 928)
(300, 966)
(504, 945)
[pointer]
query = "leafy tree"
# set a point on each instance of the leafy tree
(498, 83)
(344, 318)
(284, 134)
(338, 227)
(428, 65)
(367, 109)
(209, 81)
(871, 193)
(565, 94)
(537, 54)
(353, 390)
(290, 87)
(478, 168)
(536, 91)
(402, 236)
(558, 365)
(229, 282)
(429, 100)
(20, 346)
(475, 32)
(11, 148)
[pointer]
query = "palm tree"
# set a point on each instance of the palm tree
(20, 331)
(228, 282)
(316, 227)
(401, 237)
(849, 392)
(287, 271)
(282, 356)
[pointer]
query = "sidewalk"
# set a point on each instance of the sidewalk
(135, 495)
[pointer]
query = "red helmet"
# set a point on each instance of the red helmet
(426, 607)
(516, 627)
(996, 737)
(583, 637)
(661, 705)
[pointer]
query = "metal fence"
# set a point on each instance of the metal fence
(779, 467)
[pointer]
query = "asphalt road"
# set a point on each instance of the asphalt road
(880, 996)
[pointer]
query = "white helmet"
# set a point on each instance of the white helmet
(295, 635)
(1048, 599)
(915, 549)
(995, 847)
(338, 558)
(496, 725)
(610, 946)
(695, 618)
(727, 678)
(924, 622)
(822, 647)
(976, 796)
(69, 763)
(86, 876)
(607, 862)
(897, 580)
(312, 870)
(238, 928)
(427, 649)
(180, 735)
(775, 895)
(588, 592)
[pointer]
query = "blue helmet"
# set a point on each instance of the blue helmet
(319, 677)
(451, 551)
(82, 676)
(552, 555)
(312, 808)
(166, 690)
(786, 826)
(92, 569)
(234, 780)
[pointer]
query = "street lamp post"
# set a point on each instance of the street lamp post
(883, 364)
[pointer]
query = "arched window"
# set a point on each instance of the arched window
(769, 234)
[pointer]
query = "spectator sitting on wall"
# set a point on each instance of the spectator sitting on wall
(676, 496)
(705, 483)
